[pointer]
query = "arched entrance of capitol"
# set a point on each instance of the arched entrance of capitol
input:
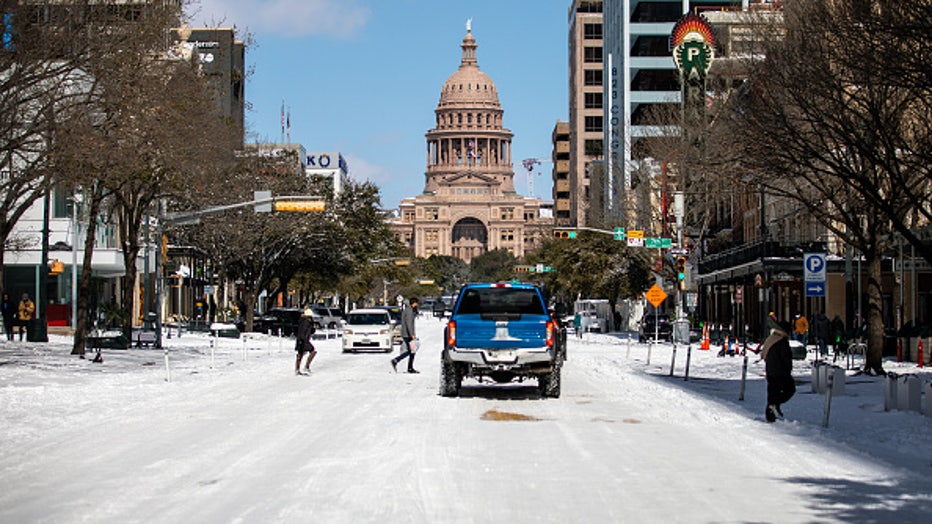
(470, 238)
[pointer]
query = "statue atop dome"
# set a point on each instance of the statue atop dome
(468, 25)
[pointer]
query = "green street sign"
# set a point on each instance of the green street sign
(658, 243)
(620, 234)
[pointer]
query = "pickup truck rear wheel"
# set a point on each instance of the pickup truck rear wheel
(549, 385)
(450, 380)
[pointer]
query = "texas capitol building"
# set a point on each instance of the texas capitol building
(469, 204)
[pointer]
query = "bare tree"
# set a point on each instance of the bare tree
(824, 129)
(149, 130)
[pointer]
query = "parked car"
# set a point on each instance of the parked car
(326, 317)
(367, 329)
(278, 321)
(647, 329)
(395, 313)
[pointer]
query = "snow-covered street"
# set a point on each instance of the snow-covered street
(248, 441)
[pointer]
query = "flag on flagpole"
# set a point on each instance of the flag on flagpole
(288, 121)
(283, 116)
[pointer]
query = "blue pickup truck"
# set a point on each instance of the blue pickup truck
(502, 332)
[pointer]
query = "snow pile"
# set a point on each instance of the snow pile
(235, 436)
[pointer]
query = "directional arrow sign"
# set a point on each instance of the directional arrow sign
(815, 289)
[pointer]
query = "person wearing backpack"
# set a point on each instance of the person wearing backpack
(303, 344)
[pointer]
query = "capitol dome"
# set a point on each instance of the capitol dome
(468, 86)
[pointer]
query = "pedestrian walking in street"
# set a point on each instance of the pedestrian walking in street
(408, 336)
(778, 364)
(25, 313)
(9, 315)
(303, 344)
(577, 325)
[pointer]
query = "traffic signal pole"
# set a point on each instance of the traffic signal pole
(262, 201)
(679, 211)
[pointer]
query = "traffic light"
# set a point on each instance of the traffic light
(564, 233)
(681, 272)
(681, 268)
(300, 206)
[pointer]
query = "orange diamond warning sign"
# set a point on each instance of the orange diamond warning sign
(655, 295)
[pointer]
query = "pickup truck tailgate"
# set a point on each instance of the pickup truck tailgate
(474, 332)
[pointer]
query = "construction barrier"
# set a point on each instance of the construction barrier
(825, 375)
(903, 393)
(929, 399)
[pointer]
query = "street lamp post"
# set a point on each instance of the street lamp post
(39, 330)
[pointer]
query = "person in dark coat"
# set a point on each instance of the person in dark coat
(303, 344)
(821, 330)
(838, 334)
(9, 312)
(408, 336)
(778, 361)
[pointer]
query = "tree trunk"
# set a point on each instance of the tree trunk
(249, 299)
(128, 282)
(874, 358)
(84, 286)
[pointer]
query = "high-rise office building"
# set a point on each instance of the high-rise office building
(639, 77)
(585, 104)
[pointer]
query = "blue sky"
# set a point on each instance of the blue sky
(363, 77)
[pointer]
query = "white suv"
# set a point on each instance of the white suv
(367, 329)
(325, 317)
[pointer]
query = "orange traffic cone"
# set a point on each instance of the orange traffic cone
(705, 338)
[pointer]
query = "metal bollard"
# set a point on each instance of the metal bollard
(650, 346)
(744, 376)
(673, 360)
(828, 401)
(628, 351)
(689, 354)
(168, 369)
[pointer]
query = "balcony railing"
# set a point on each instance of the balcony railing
(744, 254)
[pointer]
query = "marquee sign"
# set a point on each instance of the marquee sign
(693, 44)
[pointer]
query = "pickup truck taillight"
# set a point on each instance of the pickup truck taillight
(451, 333)
(551, 329)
